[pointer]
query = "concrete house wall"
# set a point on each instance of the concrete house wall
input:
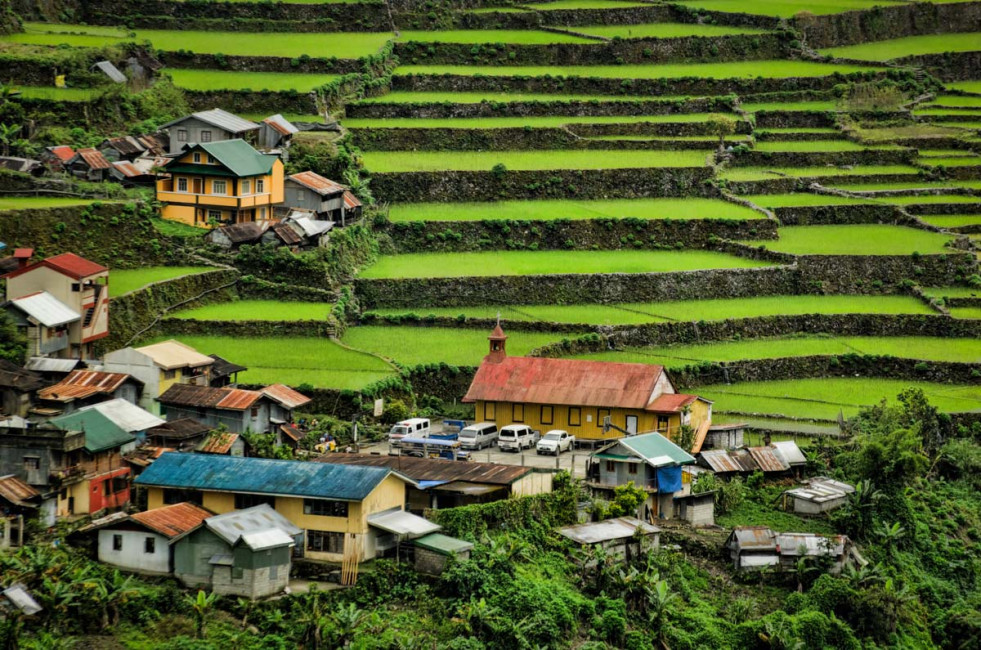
(133, 556)
(235, 421)
(194, 127)
(139, 365)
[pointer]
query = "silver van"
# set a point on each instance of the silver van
(479, 435)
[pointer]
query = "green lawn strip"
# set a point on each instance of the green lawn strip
(693, 208)
(859, 239)
(583, 4)
(823, 398)
(664, 30)
(35, 202)
(191, 79)
(820, 105)
(319, 362)
(59, 94)
(874, 187)
(298, 2)
(245, 310)
(956, 101)
(125, 280)
(422, 345)
(482, 36)
(653, 138)
(801, 199)
(962, 161)
(752, 512)
(972, 313)
(774, 69)
(908, 46)
(811, 146)
(515, 122)
(684, 310)
(484, 264)
(177, 229)
(966, 86)
(489, 10)
(943, 153)
(790, 130)
(417, 161)
(952, 292)
(448, 97)
(770, 173)
(925, 348)
(952, 220)
(948, 111)
(963, 126)
(785, 8)
(932, 198)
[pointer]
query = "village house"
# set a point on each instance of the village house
(335, 505)
(238, 234)
(53, 370)
(127, 416)
(215, 183)
(224, 372)
(81, 287)
(139, 172)
(276, 132)
(19, 504)
(183, 434)
(159, 366)
(238, 410)
(224, 443)
(433, 552)
(753, 548)
(17, 387)
(131, 147)
(775, 458)
(84, 387)
(56, 157)
(578, 396)
(724, 436)
(89, 165)
(20, 258)
(626, 538)
(327, 200)
(817, 496)
(205, 127)
(44, 321)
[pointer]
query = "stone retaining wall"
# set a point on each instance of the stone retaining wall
(951, 66)
(793, 183)
(862, 274)
(251, 63)
(248, 329)
(754, 158)
(819, 215)
(794, 119)
(882, 23)
(252, 101)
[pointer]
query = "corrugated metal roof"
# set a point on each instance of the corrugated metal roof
(174, 520)
(241, 233)
(285, 396)
(286, 234)
(822, 489)
(430, 469)
(768, 459)
(18, 595)
(62, 152)
(653, 446)
(232, 399)
(223, 367)
(468, 488)
(219, 442)
(126, 415)
(127, 145)
(671, 402)
(605, 531)
(257, 522)
(758, 538)
(263, 476)
(44, 364)
(111, 71)
(238, 156)
(442, 544)
(534, 380)
(93, 158)
(322, 186)
(46, 309)
(267, 539)
(291, 432)
(790, 452)
(795, 544)
(127, 169)
(68, 264)
(101, 433)
(179, 429)
(18, 493)
(311, 227)
(173, 354)
(722, 462)
(281, 125)
(351, 202)
(80, 384)
(13, 376)
(401, 522)
(224, 120)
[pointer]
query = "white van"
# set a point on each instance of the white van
(478, 436)
(515, 437)
(412, 428)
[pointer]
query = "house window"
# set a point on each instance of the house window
(238, 573)
(170, 374)
(610, 467)
(119, 484)
(631, 468)
(149, 545)
(181, 184)
(170, 497)
(219, 187)
(662, 423)
(32, 463)
(243, 501)
(575, 416)
(206, 136)
(548, 415)
(601, 414)
(260, 186)
(196, 157)
(254, 412)
(489, 411)
(211, 159)
(117, 542)
(182, 135)
(323, 508)
(518, 412)
(262, 213)
(325, 542)
(245, 187)
(214, 214)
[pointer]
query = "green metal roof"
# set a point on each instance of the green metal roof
(608, 456)
(443, 544)
(237, 155)
(101, 433)
(653, 445)
(200, 170)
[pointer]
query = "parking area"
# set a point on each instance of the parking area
(573, 461)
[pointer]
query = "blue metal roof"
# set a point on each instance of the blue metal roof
(262, 476)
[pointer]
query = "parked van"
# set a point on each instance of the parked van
(412, 428)
(515, 437)
(479, 435)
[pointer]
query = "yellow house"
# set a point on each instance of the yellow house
(340, 508)
(159, 366)
(578, 396)
(220, 183)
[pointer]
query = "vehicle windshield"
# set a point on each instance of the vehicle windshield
(468, 433)
(508, 433)
(551, 436)
(400, 430)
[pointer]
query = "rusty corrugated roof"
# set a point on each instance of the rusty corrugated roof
(126, 145)
(174, 520)
(286, 234)
(93, 158)
(754, 537)
(768, 459)
(280, 124)
(13, 376)
(671, 402)
(80, 384)
(722, 461)
(350, 200)
(127, 169)
(17, 492)
(62, 152)
(285, 395)
(291, 432)
(218, 443)
(233, 399)
(426, 469)
(317, 183)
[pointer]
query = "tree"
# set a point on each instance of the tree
(201, 605)
(7, 134)
(626, 500)
(659, 597)
(721, 126)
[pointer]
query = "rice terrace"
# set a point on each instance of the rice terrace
(778, 203)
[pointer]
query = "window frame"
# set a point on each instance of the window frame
(149, 545)
(32, 463)
(326, 508)
(260, 186)
(214, 214)
(206, 135)
(550, 419)
(323, 541)
(632, 468)
(182, 184)
(219, 182)
(117, 542)
(244, 500)
(611, 467)
(196, 157)
(182, 135)
(245, 186)
(490, 411)
(517, 412)
(600, 414)
(578, 419)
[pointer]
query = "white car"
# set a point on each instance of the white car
(555, 442)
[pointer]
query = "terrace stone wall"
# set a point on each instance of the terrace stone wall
(882, 23)
(794, 119)
(950, 66)
(778, 185)
(754, 158)
(858, 213)
(333, 65)
(453, 186)
(249, 328)
(860, 274)
(252, 101)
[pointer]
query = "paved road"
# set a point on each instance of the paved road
(573, 461)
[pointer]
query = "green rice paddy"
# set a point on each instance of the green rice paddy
(684, 310)
(819, 105)
(952, 292)
(516, 122)
(476, 36)
(497, 263)
(233, 80)
(800, 199)
(771, 69)
(785, 8)
(59, 94)
(436, 96)
(856, 240)
(125, 280)
(961, 161)
(956, 101)
(876, 187)
(933, 198)
(966, 86)
(33, 202)
(418, 161)
(817, 146)
(824, 398)
(584, 4)
(663, 30)
(970, 313)
(319, 362)
(770, 173)
(693, 208)
(268, 310)
(909, 46)
(952, 220)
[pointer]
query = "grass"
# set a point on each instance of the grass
(922, 130)
(960, 161)
(417, 161)
(875, 187)
(663, 30)
(965, 350)
(266, 310)
(952, 292)
(801, 199)
(33, 202)
(584, 4)
(190, 79)
(344, 45)
(948, 111)
(933, 198)
(686, 310)
(784, 8)
(820, 105)
(479, 36)
(957, 101)
(516, 122)
(814, 146)
(952, 220)
(966, 86)
(769, 173)
(799, 129)
(59, 94)
(943, 153)
(423, 345)
(909, 46)
(447, 265)
(971, 313)
(319, 362)
(774, 69)
(437, 96)
(177, 229)
(856, 240)
(124, 281)
(694, 208)
(711, 139)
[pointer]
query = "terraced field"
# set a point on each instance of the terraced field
(856, 240)
(125, 280)
(909, 46)
(418, 161)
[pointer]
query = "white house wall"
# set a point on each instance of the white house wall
(132, 556)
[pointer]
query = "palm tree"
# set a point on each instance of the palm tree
(201, 605)
(314, 619)
(890, 536)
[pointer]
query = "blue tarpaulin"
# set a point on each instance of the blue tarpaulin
(669, 479)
